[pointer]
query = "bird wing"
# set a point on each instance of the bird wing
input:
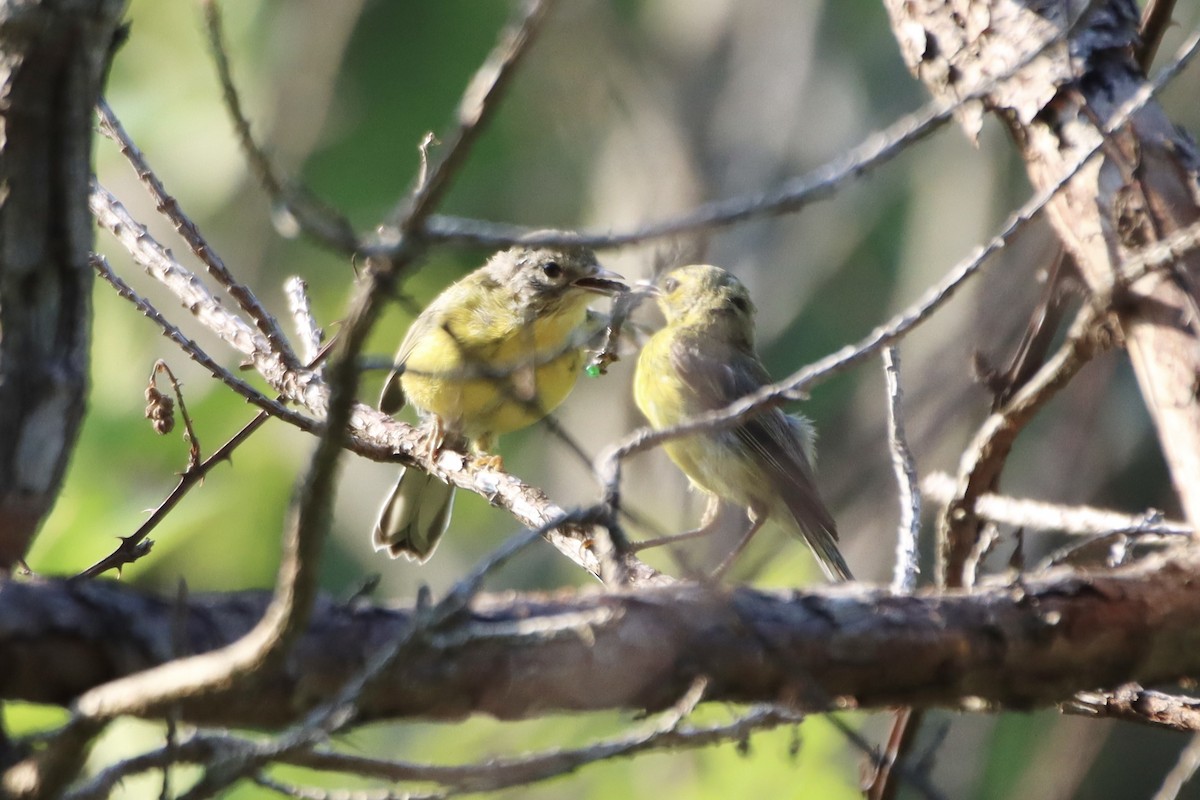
(434, 316)
(392, 398)
(719, 374)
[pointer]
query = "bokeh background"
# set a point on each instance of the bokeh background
(623, 113)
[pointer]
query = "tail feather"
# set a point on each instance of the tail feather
(824, 546)
(414, 516)
(816, 525)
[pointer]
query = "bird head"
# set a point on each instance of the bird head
(702, 294)
(546, 279)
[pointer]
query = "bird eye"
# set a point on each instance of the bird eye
(670, 285)
(552, 270)
(742, 304)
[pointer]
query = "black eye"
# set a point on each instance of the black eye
(670, 285)
(552, 270)
(742, 304)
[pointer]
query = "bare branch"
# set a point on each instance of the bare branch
(1036, 515)
(197, 354)
(310, 334)
(641, 649)
(267, 325)
(322, 223)
(1132, 703)
(475, 110)
(1156, 18)
(983, 460)
(908, 533)
(1183, 771)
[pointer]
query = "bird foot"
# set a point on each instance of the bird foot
(489, 461)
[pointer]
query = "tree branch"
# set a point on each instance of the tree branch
(999, 647)
(55, 57)
(1074, 99)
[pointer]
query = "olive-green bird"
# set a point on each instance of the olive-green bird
(493, 353)
(704, 359)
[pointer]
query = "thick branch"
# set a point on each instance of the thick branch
(1033, 645)
(53, 57)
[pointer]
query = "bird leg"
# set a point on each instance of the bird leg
(757, 518)
(486, 460)
(438, 439)
(707, 526)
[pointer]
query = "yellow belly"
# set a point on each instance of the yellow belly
(714, 461)
(533, 371)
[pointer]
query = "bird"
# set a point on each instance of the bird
(493, 353)
(703, 359)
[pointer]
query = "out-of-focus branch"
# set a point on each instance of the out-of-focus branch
(1037, 515)
(325, 225)
(479, 103)
(985, 457)
(1156, 18)
(904, 465)
(1134, 704)
(492, 775)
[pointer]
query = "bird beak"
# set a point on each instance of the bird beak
(648, 288)
(603, 282)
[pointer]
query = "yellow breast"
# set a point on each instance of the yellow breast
(485, 379)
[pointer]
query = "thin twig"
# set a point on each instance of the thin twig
(320, 222)
(792, 196)
(1183, 771)
(479, 102)
(311, 337)
(1156, 18)
(662, 733)
(918, 781)
(169, 207)
(1132, 703)
(131, 547)
(197, 354)
(1038, 515)
(279, 369)
(904, 580)
(984, 458)
(156, 405)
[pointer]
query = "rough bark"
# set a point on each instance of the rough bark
(1004, 647)
(53, 57)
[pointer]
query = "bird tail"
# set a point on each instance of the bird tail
(414, 516)
(824, 547)
(816, 525)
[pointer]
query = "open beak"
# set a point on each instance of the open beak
(603, 282)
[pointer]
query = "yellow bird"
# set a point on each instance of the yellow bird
(704, 359)
(493, 353)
